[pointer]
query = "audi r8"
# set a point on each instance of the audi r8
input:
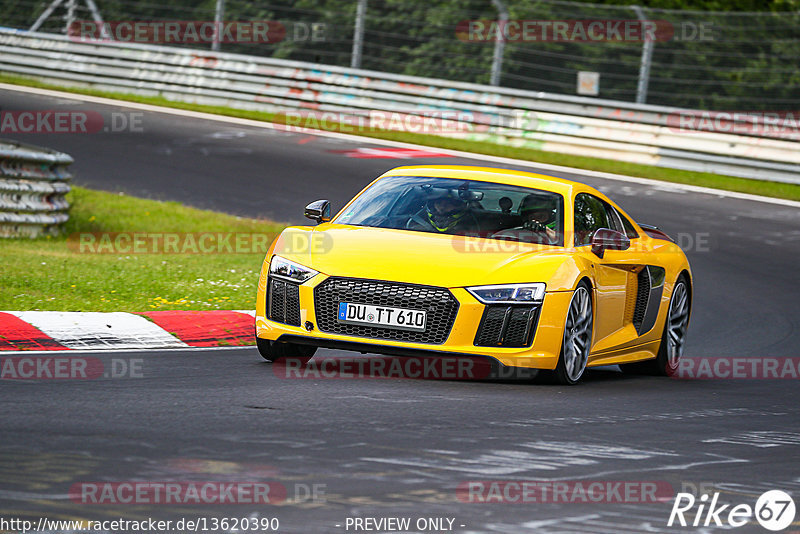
(530, 270)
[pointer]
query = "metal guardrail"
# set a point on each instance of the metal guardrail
(637, 133)
(33, 182)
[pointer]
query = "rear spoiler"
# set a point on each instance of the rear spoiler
(655, 232)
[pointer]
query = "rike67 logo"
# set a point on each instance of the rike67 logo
(774, 510)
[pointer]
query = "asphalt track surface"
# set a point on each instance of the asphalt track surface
(400, 448)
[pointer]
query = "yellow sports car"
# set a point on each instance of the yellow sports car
(530, 270)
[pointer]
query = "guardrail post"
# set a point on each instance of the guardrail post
(644, 66)
(500, 42)
(358, 34)
(219, 13)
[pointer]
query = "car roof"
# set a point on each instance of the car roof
(493, 174)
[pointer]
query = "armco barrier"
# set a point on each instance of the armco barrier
(33, 182)
(583, 126)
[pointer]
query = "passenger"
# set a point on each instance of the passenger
(539, 221)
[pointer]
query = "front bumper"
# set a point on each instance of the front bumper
(542, 353)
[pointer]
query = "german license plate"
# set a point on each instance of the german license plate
(366, 314)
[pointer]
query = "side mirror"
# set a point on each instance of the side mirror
(319, 210)
(606, 239)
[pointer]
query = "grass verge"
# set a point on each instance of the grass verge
(730, 183)
(54, 274)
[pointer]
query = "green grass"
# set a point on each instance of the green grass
(757, 187)
(53, 274)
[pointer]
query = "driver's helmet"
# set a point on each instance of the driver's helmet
(444, 211)
(544, 208)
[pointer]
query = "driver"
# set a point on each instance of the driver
(444, 215)
(538, 221)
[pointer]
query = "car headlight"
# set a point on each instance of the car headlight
(508, 293)
(290, 270)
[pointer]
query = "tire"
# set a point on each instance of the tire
(673, 336)
(576, 343)
(274, 351)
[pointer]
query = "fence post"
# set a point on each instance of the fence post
(219, 14)
(499, 43)
(69, 17)
(358, 34)
(644, 65)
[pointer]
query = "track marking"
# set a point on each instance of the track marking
(389, 153)
(759, 438)
(98, 330)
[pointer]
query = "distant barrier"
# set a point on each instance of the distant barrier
(731, 144)
(33, 182)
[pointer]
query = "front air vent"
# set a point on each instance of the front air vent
(283, 302)
(507, 326)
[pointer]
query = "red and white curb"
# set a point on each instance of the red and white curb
(50, 330)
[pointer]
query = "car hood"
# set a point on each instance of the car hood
(419, 257)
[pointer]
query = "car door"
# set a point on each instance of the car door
(614, 274)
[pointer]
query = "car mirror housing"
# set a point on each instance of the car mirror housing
(319, 210)
(606, 239)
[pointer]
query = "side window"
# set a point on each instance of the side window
(590, 215)
(614, 218)
(627, 226)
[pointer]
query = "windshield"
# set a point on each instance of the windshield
(460, 207)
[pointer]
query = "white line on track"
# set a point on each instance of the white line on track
(363, 139)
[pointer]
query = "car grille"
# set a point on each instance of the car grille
(438, 302)
(507, 326)
(283, 302)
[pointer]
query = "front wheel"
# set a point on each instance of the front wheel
(274, 351)
(672, 339)
(577, 341)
